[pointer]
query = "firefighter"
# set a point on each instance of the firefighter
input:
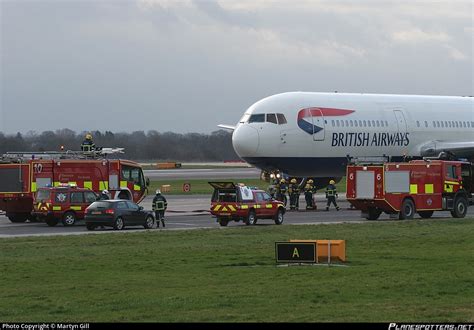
(294, 192)
(105, 195)
(88, 145)
(308, 194)
(331, 194)
(159, 207)
(281, 191)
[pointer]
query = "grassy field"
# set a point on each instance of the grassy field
(201, 186)
(418, 271)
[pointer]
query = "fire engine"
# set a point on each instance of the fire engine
(23, 173)
(402, 189)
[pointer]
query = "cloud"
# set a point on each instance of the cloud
(416, 35)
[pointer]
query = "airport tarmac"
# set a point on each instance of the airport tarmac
(191, 212)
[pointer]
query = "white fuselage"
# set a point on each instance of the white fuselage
(323, 129)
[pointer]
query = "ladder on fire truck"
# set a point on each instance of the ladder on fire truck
(19, 157)
(368, 160)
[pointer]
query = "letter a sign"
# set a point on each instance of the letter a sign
(288, 252)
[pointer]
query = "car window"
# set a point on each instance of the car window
(122, 206)
(42, 194)
(61, 197)
(90, 196)
(100, 205)
(77, 197)
(267, 197)
(259, 197)
(132, 206)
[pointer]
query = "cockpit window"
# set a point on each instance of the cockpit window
(271, 118)
(281, 118)
(244, 118)
(257, 118)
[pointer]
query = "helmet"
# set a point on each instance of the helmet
(88, 136)
(332, 182)
(158, 191)
(105, 191)
(293, 180)
(310, 181)
(282, 181)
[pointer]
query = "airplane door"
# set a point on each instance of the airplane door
(401, 123)
(318, 124)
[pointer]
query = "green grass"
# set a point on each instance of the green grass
(201, 186)
(418, 271)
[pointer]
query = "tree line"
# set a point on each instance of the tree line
(152, 145)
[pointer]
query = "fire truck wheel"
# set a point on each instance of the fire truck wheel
(222, 222)
(279, 217)
(149, 222)
(69, 219)
(425, 214)
(373, 214)
(251, 218)
(460, 207)
(408, 210)
(118, 224)
(51, 222)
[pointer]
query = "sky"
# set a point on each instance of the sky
(189, 65)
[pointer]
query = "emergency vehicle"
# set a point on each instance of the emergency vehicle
(405, 188)
(22, 174)
(241, 203)
(66, 203)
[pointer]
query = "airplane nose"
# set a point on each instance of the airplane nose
(245, 140)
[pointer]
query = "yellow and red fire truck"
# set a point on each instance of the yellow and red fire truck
(22, 174)
(405, 188)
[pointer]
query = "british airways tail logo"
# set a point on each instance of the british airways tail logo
(311, 129)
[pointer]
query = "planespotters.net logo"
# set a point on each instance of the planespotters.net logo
(447, 326)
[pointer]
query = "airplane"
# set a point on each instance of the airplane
(306, 134)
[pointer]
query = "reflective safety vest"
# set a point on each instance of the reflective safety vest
(159, 203)
(331, 191)
(308, 188)
(87, 146)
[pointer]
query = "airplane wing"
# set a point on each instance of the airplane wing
(459, 149)
(229, 127)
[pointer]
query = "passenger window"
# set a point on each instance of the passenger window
(451, 171)
(257, 118)
(267, 197)
(90, 196)
(121, 206)
(271, 118)
(132, 206)
(61, 197)
(77, 197)
(281, 119)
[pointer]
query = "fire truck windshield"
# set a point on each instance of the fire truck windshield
(133, 174)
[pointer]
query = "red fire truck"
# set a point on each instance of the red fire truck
(403, 189)
(21, 174)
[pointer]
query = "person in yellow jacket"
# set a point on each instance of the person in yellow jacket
(308, 194)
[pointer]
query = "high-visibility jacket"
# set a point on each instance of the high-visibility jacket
(88, 146)
(331, 190)
(159, 203)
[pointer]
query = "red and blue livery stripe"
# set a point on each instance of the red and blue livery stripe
(308, 127)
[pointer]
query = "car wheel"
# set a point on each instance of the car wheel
(425, 214)
(460, 208)
(149, 222)
(119, 224)
(373, 214)
(279, 217)
(223, 222)
(251, 218)
(90, 227)
(69, 219)
(408, 210)
(51, 222)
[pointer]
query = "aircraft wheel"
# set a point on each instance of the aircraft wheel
(425, 214)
